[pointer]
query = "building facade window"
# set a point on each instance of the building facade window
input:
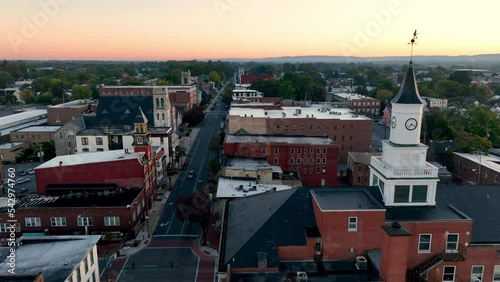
(84, 221)
(32, 222)
(98, 141)
(100, 150)
(477, 272)
(496, 273)
(452, 242)
(139, 140)
(276, 150)
(352, 224)
(58, 221)
(291, 161)
(424, 243)
(85, 141)
(292, 151)
(85, 150)
(6, 227)
(402, 194)
(449, 273)
(111, 221)
(419, 194)
(263, 150)
(375, 180)
(275, 161)
(299, 151)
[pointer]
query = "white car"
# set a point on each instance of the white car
(22, 180)
(190, 174)
(30, 171)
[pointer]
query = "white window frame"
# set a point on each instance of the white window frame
(496, 272)
(58, 221)
(84, 221)
(85, 140)
(421, 251)
(480, 276)
(33, 221)
(111, 221)
(456, 244)
(352, 225)
(5, 227)
(454, 272)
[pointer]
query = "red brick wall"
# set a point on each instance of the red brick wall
(298, 252)
(64, 114)
(71, 214)
(125, 173)
(126, 91)
(355, 139)
(438, 241)
(360, 175)
(393, 260)
(312, 177)
(338, 241)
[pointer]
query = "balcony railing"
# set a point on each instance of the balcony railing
(417, 274)
(388, 171)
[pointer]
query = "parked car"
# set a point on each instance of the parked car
(31, 171)
(22, 180)
(190, 174)
(185, 165)
(21, 173)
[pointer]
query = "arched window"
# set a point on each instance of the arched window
(162, 103)
(157, 103)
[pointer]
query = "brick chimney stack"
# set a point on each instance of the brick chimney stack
(394, 255)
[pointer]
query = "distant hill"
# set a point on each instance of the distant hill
(473, 59)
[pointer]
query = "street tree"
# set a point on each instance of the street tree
(461, 77)
(6, 79)
(195, 207)
(27, 96)
(81, 92)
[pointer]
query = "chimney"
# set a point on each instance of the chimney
(394, 252)
(60, 163)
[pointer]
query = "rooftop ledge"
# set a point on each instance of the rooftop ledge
(429, 171)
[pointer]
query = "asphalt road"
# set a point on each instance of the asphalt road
(198, 157)
(31, 185)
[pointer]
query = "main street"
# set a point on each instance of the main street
(173, 254)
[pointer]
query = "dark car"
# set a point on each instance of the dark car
(21, 173)
(185, 165)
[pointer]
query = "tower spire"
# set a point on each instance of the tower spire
(412, 42)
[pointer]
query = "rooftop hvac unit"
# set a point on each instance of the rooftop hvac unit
(301, 276)
(361, 263)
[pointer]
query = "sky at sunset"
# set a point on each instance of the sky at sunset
(213, 29)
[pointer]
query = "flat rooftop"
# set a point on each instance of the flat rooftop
(55, 256)
(278, 139)
(490, 161)
(354, 96)
(363, 157)
(47, 128)
(73, 104)
(22, 117)
(315, 111)
(7, 146)
(235, 188)
(341, 199)
(248, 164)
(92, 199)
(92, 157)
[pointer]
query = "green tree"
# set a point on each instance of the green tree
(215, 77)
(5, 79)
(269, 87)
(286, 90)
(383, 94)
(45, 99)
(480, 121)
(81, 92)
(27, 96)
(437, 74)
(164, 82)
(481, 92)
(461, 77)
(448, 89)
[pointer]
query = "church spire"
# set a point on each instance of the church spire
(408, 93)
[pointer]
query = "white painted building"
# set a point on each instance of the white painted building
(402, 173)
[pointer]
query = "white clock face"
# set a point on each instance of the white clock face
(411, 124)
(393, 122)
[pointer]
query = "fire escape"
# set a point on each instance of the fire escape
(419, 273)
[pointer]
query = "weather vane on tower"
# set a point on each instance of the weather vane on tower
(412, 42)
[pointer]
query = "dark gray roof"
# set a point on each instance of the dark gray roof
(122, 110)
(481, 203)
(54, 256)
(257, 224)
(408, 93)
(345, 198)
(395, 229)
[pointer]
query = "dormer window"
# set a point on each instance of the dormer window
(139, 140)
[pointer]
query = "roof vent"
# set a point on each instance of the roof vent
(396, 224)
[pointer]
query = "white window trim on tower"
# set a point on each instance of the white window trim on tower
(352, 224)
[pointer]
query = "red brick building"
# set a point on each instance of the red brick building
(314, 158)
(359, 165)
(64, 113)
(477, 169)
(359, 104)
(98, 209)
(120, 167)
(350, 131)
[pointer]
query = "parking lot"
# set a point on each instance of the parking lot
(26, 187)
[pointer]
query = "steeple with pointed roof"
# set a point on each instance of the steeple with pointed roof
(141, 141)
(408, 93)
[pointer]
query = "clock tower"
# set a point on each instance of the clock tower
(402, 173)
